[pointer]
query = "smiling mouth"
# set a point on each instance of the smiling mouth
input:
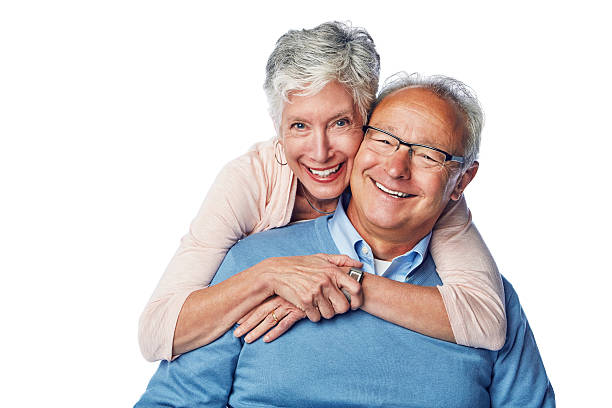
(392, 193)
(327, 172)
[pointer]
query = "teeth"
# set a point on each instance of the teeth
(325, 173)
(394, 193)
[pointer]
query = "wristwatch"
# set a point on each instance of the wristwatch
(356, 274)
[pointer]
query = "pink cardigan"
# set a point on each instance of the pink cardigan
(254, 193)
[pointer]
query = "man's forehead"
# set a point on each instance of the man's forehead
(398, 111)
(415, 99)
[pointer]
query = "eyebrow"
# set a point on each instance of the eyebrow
(343, 113)
(332, 117)
(390, 129)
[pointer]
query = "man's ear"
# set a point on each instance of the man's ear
(464, 180)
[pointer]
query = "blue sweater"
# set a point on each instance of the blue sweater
(352, 360)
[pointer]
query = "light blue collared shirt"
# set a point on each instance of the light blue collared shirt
(349, 242)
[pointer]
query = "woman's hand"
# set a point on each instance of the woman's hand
(313, 283)
(275, 313)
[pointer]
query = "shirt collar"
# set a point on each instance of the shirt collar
(350, 243)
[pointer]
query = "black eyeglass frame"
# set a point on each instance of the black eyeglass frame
(447, 156)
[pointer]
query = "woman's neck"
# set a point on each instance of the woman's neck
(308, 207)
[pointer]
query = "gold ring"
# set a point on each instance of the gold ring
(274, 317)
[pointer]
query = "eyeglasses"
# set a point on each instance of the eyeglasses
(422, 156)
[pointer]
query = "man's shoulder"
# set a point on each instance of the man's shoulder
(303, 238)
(282, 237)
(515, 315)
(516, 320)
(510, 295)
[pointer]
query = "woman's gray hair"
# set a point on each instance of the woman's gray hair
(452, 90)
(307, 60)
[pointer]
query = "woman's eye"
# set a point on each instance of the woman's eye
(298, 126)
(342, 122)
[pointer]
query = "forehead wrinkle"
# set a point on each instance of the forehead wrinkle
(346, 112)
(311, 107)
(424, 111)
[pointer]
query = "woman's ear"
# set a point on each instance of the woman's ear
(464, 180)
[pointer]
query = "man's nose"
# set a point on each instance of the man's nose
(398, 164)
(321, 148)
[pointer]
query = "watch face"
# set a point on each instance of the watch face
(356, 274)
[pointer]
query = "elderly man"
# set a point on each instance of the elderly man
(418, 153)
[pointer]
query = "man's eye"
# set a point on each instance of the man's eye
(298, 126)
(426, 157)
(342, 122)
(382, 141)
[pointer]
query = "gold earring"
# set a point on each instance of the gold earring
(278, 148)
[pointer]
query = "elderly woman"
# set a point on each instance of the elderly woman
(320, 84)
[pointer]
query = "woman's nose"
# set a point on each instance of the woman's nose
(320, 146)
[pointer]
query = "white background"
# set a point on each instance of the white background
(115, 116)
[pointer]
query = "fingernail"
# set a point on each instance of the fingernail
(266, 339)
(237, 332)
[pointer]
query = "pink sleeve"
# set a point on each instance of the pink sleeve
(249, 195)
(472, 289)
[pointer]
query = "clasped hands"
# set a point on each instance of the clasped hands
(301, 286)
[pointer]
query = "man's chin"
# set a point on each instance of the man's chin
(388, 221)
